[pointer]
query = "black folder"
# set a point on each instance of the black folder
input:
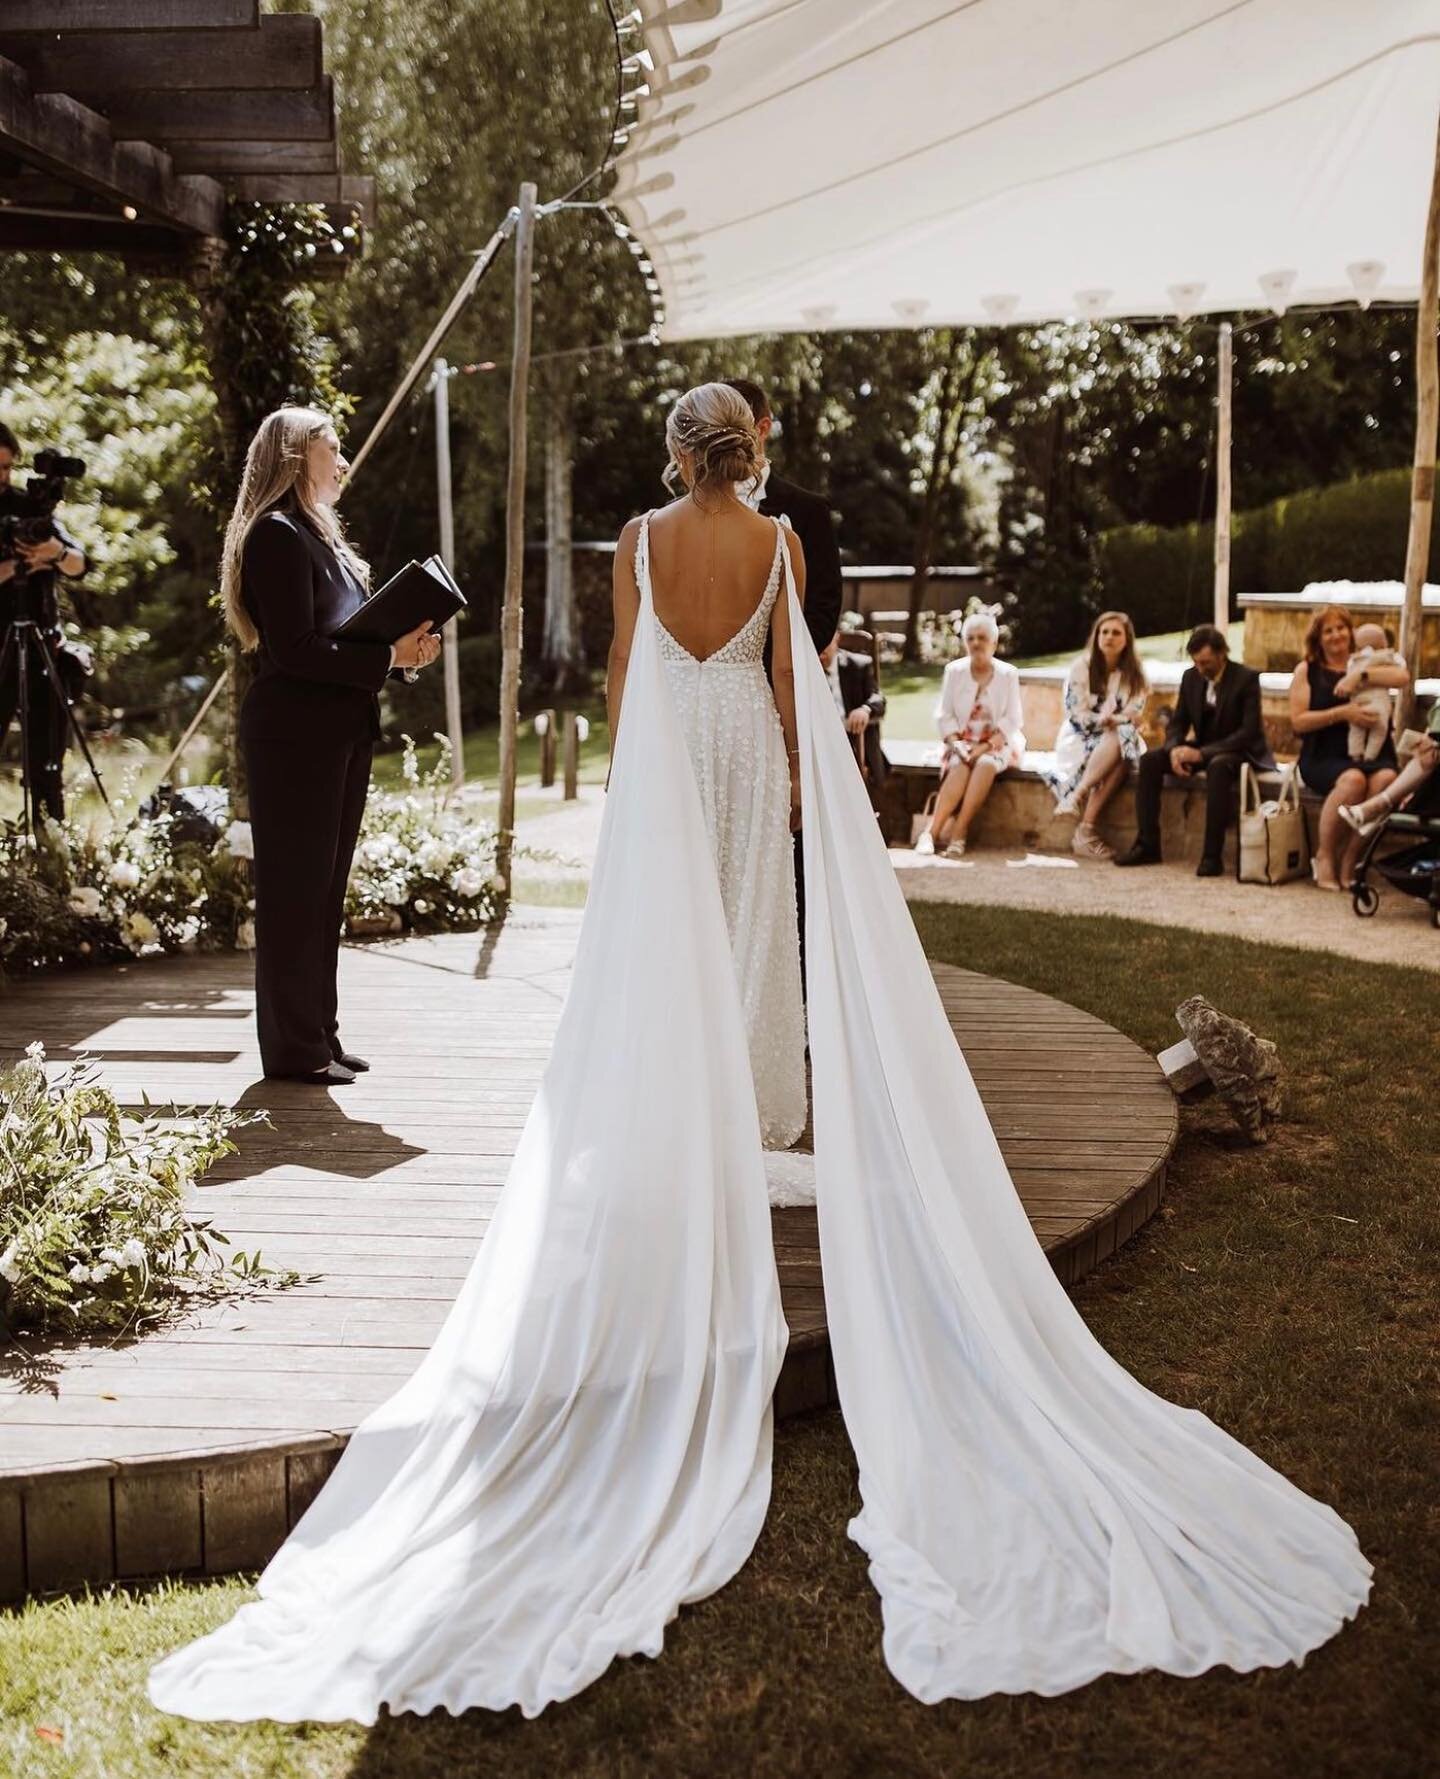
(421, 590)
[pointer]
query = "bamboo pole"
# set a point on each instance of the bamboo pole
(1427, 421)
(451, 661)
(1222, 478)
(515, 528)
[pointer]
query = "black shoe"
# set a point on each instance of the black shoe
(1138, 855)
(334, 1074)
(1210, 868)
(357, 1065)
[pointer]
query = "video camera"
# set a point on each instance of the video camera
(27, 516)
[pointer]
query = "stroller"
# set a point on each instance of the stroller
(1415, 869)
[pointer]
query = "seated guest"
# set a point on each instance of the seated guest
(1100, 737)
(1215, 728)
(1365, 817)
(1323, 711)
(860, 701)
(980, 722)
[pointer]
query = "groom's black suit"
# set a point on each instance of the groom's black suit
(811, 521)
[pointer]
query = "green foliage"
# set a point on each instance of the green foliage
(1354, 530)
(94, 1233)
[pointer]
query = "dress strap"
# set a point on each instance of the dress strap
(642, 562)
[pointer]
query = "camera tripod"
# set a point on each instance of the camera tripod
(26, 642)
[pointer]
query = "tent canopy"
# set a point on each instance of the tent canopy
(816, 164)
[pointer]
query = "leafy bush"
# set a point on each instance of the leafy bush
(94, 1233)
(1352, 530)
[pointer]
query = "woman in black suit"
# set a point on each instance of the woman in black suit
(307, 728)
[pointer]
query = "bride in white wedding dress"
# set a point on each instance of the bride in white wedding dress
(587, 1446)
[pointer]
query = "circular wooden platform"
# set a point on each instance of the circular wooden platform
(198, 1446)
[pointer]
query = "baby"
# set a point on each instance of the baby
(1372, 649)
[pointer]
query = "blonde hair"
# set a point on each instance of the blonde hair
(277, 467)
(713, 426)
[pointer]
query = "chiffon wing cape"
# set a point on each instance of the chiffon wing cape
(587, 1446)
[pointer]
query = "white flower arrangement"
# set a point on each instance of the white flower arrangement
(95, 1230)
(240, 841)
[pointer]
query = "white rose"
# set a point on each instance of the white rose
(245, 936)
(124, 875)
(80, 1273)
(433, 857)
(112, 1256)
(421, 905)
(35, 1051)
(467, 882)
(86, 902)
(9, 1267)
(133, 1253)
(99, 1274)
(239, 841)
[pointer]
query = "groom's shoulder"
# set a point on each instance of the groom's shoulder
(789, 497)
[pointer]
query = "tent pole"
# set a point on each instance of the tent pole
(1222, 480)
(453, 726)
(515, 529)
(1427, 420)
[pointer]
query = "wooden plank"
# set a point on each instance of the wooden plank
(282, 51)
(12, 1546)
(51, 16)
(157, 1521)
(232, 116)
(220, 159)
(63, 138)
(245, 1512)
(69, 1532)
(305, 1475)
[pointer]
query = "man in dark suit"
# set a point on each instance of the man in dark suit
(860, 701)
(1215, 728)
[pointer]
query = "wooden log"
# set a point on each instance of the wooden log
(285, 51)
(547, 749)
(572, 756)
(1224, 408)
(47, 17)
(450, 664)
(1427, 422)
(63, 138)
(510, 623)
(302, 115)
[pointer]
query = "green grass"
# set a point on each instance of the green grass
(1289, 1291)
(482, 752)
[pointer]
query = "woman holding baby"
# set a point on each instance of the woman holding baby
(1340, 709)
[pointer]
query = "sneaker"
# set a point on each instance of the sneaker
(955, 850)
(1138, 855)
(1085, 843)
(925, 845)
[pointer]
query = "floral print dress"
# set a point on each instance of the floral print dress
(1081, 730)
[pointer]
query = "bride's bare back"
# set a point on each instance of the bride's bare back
(708, 571)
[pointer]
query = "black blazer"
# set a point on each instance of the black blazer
(857, 688)
(810, 520)
(1238, 725)
(308, 686)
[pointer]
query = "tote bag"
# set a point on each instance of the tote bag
(1274, 843)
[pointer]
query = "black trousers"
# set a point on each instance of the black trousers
(46, 728)
(1221, 776)
(306, 804)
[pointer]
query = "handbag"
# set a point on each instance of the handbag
(919, 823)
(1274, 842)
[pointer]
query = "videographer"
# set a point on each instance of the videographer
(28, 566)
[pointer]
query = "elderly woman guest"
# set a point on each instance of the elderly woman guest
(1099, 738)
(980, 723)
(1321, 712)
(307, 727)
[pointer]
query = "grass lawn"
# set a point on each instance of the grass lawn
(1289, 1291)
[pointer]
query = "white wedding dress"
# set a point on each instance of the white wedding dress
(587, 1446)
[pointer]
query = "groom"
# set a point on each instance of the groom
(810, 520)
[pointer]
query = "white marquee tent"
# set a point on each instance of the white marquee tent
(814, 164)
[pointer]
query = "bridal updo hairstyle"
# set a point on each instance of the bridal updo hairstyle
(714, 428)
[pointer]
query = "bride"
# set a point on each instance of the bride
(586, 1448)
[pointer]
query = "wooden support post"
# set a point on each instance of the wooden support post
(450, 657)
(515, 528)
(572, 756)
(1222, 480)
(547, 750)
(1427, 420)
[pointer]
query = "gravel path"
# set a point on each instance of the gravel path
(1169, 895)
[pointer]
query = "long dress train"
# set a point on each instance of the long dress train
(587, 1446)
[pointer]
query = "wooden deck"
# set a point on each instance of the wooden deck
(196, 1447)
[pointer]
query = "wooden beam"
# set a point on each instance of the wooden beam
(285, 52)
(62, 138)
(45, 17)
(81, 233)
(220, 159)
(245, 116)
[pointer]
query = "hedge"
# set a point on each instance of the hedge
(1352, 530)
